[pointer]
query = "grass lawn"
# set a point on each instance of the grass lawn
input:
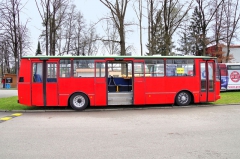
(10, 103)
(230, 97)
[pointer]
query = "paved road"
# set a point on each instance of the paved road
(7, 93)
(168, 133)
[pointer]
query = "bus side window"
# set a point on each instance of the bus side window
(52, 72)
(139, 69)
(83, 68)
(171, 70)
(37, 78)
(154, 67)
(37, 72)
(65, 68)
(183, 67)
(100, 69)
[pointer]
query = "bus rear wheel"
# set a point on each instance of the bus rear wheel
(183, 98)
(79, 101)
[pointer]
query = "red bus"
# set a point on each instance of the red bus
(117, 80)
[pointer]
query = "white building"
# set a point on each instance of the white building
(234, 51)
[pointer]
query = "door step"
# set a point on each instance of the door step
(120, 98)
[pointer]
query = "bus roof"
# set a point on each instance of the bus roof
(120, 57)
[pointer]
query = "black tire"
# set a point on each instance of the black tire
(79, 101)
(183, 98)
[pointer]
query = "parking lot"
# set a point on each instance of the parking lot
(177, 132)
(7, 93)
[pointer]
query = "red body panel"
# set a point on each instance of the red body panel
(24, 88)
(139, 90)
(52, 94)
(24, 95)
(164, 89)
(68, 86)
(100, 92)
(217, 89)
(37, 94)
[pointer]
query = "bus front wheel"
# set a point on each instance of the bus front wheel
(79, 101)
(183, 98)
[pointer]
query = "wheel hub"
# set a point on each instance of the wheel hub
(183, 98)
(79, 101)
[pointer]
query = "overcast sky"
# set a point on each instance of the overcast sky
(92, 11)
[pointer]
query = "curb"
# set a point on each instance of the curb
(34, 111)
(115, 109)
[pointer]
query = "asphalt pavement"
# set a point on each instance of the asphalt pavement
(7, 93)
(204, 132)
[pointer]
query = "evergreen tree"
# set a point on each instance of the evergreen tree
(196, 33)
(38, 51)
(186, 41)
(185, 44)
(159, 47)
(157, 42)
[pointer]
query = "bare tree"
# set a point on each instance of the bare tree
(68, 30)
(45, 15)
(164, 18)
(173, 15)
(109, 42)
(232, 19)
(78, 32)
(58, 14)
(139, 13)
(13, 30)
(152, 10)
(118, 12)
(5, 55)
(206, 18)
(52, 14)
(217, 28)
(91, 46)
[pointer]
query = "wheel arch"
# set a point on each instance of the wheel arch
(76, 93)
(185, 90)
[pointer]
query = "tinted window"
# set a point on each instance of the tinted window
(65, 68)
(180, 67)
(83, 68)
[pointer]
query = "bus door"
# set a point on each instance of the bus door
(138, 82)
(207, 81)
(51, 86)
(100, 85)
(44, 85)
(119, 81)
(37, 84)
